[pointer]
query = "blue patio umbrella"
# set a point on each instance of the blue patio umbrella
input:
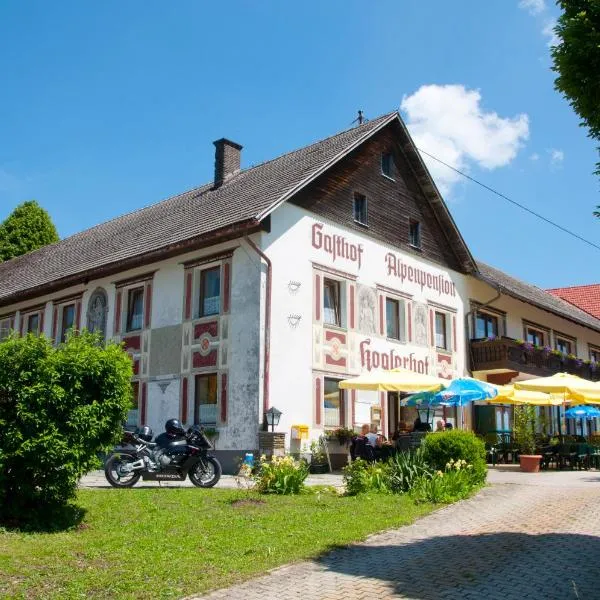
(584, 411)
(464, 390)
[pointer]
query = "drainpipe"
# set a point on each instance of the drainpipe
(467, 328)
(267, 321)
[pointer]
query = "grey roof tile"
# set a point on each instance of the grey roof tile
(244, 196)
(534, 295)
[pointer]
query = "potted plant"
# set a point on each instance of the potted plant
(318, 458)
(524, 432)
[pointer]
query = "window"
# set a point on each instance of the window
(67, 320)
(205, 400)
(132, 413)
(395, 319)
(333, 404)
(360, 208)
(331, 302)
(534, 336)
(33, 323)
(392, 318)
(386, 164)
(595, 354)
(5, 327)
(414, 233)
(135, 309)
(564, 346)
(441, 337)
(486, 325)
(210, 292)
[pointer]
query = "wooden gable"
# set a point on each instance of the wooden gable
(392, 202)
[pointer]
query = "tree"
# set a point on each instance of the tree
(59, 408)
(27, 228)
(577, 62)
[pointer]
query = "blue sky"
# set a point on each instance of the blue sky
(107, 107)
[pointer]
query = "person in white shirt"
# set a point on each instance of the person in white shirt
(372, 436)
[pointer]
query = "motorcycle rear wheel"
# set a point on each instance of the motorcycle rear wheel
(115, 475)
(206, 472)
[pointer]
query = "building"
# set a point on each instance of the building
(585, 297)
(269, 285)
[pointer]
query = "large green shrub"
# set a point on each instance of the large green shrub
(441, 447)
(59, 408)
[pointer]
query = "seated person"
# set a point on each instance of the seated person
(440, 425)
(372, 435)
(359, 446)
(448, 426)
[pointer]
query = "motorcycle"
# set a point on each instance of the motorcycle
(168, 458)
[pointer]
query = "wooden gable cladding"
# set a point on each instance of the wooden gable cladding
(392, 202)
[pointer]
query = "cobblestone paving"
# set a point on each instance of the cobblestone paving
(529, 537)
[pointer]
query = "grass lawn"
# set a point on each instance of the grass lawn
(170, 542)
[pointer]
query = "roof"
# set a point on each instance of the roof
(586, 297)
(202, 214)
(526, 292)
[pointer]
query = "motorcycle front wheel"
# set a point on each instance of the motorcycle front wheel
(206, 472)
(116, 475)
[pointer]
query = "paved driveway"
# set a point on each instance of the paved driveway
(525, 536)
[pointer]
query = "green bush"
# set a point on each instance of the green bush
(361, 476)
(441, 447)
(524, 430)
(405, 468)
(59, 408)
(456, 482)
(281, 475)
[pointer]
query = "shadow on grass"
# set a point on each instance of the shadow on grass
(53, 520)
(511, 565)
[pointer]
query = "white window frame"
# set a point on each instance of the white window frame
(59, 321)
(24, 316)
(401, 302)
(125, 306)
(593, 349)
(447, 333)
(342, 413)
(342, 286)
(197, 312)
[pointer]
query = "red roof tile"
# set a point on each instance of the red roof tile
(586, 297)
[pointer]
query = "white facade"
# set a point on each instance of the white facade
(305, 350)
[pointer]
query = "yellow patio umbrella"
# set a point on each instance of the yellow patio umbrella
(394, 380)
(573, 389)
(508, 395)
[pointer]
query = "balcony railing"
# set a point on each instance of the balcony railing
(507, 354)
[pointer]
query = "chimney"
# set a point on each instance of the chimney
(228, 156)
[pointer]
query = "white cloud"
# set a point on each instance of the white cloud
(533, 7)
(535, 156)
(556, 157)
(548, 31)
(448, 122)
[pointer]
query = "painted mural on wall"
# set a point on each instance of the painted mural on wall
(362, 345)
(367, 310)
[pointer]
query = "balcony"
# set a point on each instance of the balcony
(505, 355)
